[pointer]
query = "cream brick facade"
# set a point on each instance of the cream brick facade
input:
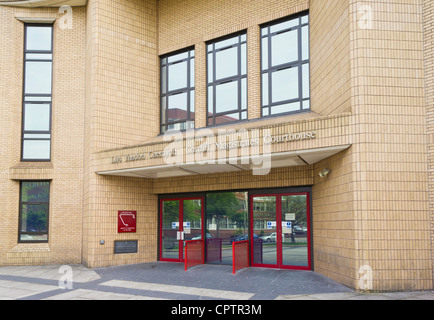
(371, 96)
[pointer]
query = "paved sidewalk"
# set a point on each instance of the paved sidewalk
(168, 281)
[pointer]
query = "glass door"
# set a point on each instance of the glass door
(170, 230)
(295, 231)
(280, 234)
(180, 220)
(264, 246)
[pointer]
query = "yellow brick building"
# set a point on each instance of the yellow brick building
(304, 127)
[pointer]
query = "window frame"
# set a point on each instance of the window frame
(166, 94)
(239, 77)
(37, 98)
(22, 203)
(270, 70)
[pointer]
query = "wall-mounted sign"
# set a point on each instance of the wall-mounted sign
(129, 246)
(127, 221)
(243, 139)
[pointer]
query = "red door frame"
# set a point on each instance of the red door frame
(181, 226)
(279, 264)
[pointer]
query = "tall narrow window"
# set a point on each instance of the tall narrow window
(37, 102)
(177, 91)
(285, 66)
(227, 80)
(34, 204)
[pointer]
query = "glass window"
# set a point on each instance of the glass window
(227, 84)
(39, 38)
(34, 207)
(38, 77)
(226, 223)
(36, 117)
(285, 66)
(177, 91)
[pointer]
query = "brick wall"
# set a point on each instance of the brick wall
(390, 198)
(428, 28)
(121, 109)
(66, 169)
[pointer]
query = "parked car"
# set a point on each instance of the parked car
(269, 238)
(244, 238)
(298, 229)
(208, 236)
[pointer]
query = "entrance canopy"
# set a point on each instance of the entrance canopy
(275, 160)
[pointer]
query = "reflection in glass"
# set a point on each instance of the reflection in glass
(295, 237)
(226, 222)
(285, 66)
(264, 230)
(177, 91)
(178, 102)
(170, 227)
(227, 84)
(34, 203)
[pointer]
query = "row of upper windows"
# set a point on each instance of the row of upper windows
(284, 70)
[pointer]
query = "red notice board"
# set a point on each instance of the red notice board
(127, 221)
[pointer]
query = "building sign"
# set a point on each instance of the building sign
(226, 140)
(129, 246)
(127, 221)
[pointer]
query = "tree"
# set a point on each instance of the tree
(221, 205)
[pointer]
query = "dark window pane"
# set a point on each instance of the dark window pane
(34, 217)
(35, 191)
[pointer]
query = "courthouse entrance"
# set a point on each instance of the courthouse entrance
(180, 220)
(280, 231)
(275, 223)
